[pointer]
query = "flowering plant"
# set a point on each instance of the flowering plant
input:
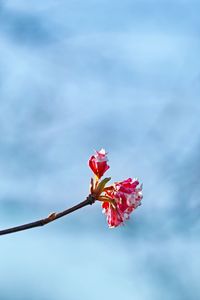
(120, 199)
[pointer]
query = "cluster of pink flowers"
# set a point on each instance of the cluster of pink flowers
(119, 199)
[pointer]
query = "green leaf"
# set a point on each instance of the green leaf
(101, 186)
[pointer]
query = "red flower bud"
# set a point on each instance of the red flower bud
(98, 163)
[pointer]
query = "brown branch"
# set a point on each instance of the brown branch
(52, 217)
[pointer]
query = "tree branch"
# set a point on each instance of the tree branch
(52, 217)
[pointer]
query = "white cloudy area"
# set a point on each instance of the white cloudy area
(77, 76)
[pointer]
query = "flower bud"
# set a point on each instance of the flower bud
(98, 163)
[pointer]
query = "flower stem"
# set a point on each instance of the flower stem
(52, 217)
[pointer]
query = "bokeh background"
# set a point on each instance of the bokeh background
(77, 76)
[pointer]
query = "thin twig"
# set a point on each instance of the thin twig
(52, 217)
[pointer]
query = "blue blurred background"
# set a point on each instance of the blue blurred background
(77, 76)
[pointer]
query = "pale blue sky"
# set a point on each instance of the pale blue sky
(77, 76)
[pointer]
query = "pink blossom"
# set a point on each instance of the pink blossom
(98, 163)
(123, 197)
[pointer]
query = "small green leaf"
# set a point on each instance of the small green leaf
(101, 186)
